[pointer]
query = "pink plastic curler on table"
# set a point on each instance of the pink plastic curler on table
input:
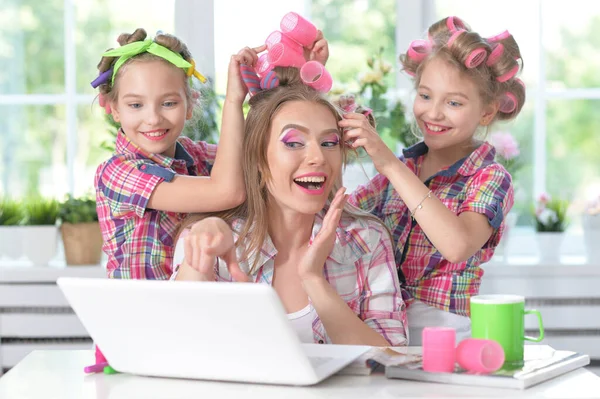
(438, 349)
(480, 355)
(298, 28)
(280, 55)
(314, 74)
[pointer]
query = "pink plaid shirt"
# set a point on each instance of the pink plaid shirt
(137, 240)
(361, 268)
(473, 184)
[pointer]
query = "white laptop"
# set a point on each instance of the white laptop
(200, 330)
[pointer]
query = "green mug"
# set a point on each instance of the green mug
(502, 318)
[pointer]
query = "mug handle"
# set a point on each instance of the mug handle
(539, 317)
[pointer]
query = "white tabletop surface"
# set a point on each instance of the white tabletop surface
(59, 375)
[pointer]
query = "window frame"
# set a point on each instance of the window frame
(194, 23)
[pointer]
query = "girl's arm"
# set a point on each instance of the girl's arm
(225, 187)
(456, 237)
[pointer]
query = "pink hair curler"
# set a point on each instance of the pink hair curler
(410, 73)
(454, 23)
(508, 75)
(280, 55)
(438, 349)
(480, 355)
(418, 50)
(495, 54)
(476, 57)
(262, 65)
(278, 37)
(508, 103)
(454, 36)
(498, 37)
(519, 81)
(298, 28)
(314, 74)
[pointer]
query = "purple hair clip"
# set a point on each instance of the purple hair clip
(102, 78)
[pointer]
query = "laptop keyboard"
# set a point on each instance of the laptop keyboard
(319, 361)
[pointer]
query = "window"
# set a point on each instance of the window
(356, 30)
(558, 127)
(50, 134)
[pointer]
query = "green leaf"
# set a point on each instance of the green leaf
(78, 210)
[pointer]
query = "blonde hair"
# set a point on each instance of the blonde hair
(263, 107)
(111, 90)
(488, 76)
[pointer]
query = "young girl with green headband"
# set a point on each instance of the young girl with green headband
(155, 176)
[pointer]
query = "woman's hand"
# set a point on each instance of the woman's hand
(359, 132)
(208, 239)
(236, 89)
(313, 261)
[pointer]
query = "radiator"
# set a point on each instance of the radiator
(34, 314)
(567, 296)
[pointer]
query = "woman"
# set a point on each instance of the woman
(328, 261)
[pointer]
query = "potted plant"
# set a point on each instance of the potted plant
(80, 231)
(40, 234)
(550, 223)
(11, 218)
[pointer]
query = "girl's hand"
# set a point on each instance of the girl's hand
(236, 89)
(359, 132)
(208, 239)
(319, 50)
(313, 261)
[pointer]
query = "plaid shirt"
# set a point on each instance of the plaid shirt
(360, 268)
(137, 240)
(473, 184)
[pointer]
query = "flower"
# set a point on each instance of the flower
(544, 198)
(550, 213)
(547, 216)
(506, 145)
(371, 77)
(593, 207)
(507, 151)
(385, 67)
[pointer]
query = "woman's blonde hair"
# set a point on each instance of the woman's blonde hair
(263, 107)
(495, 76)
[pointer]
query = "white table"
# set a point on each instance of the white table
(59, 374)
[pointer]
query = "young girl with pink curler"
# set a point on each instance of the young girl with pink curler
(445, 198)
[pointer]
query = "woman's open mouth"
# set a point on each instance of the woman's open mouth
(313, 185)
